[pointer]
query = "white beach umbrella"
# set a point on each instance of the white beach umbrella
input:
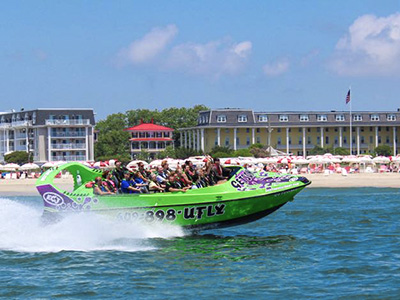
(381, 160)
(29, 166)
(48, 164)
(10, 167)
(350, 159)
(300, 161)
(100, 164)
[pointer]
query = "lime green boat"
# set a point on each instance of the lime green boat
(245, 197)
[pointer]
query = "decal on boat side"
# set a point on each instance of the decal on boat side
(247, 181)
(53, 199)
(195, 212)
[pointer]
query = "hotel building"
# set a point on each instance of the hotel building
(48, 134)
(293, 132)
(150, 137)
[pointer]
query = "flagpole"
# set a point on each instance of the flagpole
(351, 128)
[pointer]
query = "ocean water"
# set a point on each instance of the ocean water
(330, 243)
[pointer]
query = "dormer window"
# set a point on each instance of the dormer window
(242, 118)
(262, 118)
(357, 118)
(322, 118)
(391, 117)
(283, 118)
(374, 117)
(339, 118)
(221, 119)
(304, 118)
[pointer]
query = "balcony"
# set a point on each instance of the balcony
(5, 125)
(80, 146)
(25, 123)
(67, 122)
(68, 134)
(69, 158)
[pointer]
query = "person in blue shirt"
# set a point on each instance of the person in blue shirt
(128, 186)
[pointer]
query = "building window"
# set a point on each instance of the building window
(304, 118)
(248, 141)
(258, 130)
(221, 119)
(258, 140)
(309, 140)
(375, 117)
(327, 140)
(226, 130)
(322, 118)
(262, 118)
(357, 118)
(279, 140)
(247, 130)
(227, 141)
(283, 118)
(300, 141)
(278, 130)
(391, 117)
(339, 118)
(242, 118)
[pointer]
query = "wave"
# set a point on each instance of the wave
(22, 230)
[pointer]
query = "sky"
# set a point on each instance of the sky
(115, 56)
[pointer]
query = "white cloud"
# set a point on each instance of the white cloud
(371, 47)
(214, 58)
(277, 67)
(148, 47)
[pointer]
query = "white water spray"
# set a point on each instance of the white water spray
(22, 229)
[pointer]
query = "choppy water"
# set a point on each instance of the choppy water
(331, 243)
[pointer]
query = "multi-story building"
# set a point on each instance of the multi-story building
(294, 132)
(48, 134)
(150, 137)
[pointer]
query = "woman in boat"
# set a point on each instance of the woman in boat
(154, 185)
(99, 188)
(108, 181)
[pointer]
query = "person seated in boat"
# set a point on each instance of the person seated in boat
(118, 174)
(165, 166)
(143, 172)
(173, 184)
(108, 181)
(162, 177)
(140, 183)
(202, 180)
(190, 171)
(220, 172)
(99, 188)
(182, 178)
(128, 186)
(209, 173)
(154, 185)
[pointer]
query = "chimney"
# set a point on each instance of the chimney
(141, 121)
(152, 121)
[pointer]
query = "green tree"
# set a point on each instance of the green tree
(317, 150)
(220, 149)
(113, 140)
(243, 152)
(143, 155)
(338, 151)
(18, 157)
(383, 150)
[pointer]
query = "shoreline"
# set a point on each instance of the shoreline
(26, 187)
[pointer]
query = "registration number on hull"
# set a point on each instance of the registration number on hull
(188, 213)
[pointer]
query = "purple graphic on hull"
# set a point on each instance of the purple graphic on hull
(55, 200)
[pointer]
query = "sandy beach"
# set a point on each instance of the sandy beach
(26, 187)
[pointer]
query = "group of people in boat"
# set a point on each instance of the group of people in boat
(161, 179)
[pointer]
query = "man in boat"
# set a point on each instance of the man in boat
(118, 174)
(220, 172)
(143, 172)
(128, 186)
(99, 188)
(173, 185)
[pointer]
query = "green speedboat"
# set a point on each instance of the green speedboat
(245, 197)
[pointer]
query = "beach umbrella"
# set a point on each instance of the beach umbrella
(350, 159)
(284, 160)
(48, 164)
(100, 164)
(381, 160)
(300, 161)
(29, 166)
(10, 167)
(134, 163)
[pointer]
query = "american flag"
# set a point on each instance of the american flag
(348, 97)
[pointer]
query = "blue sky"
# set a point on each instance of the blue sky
(266, 55)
